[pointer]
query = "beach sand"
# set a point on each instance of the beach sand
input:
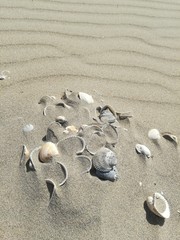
(125, 54)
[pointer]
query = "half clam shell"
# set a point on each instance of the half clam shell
(47, 152)
(158, 205)
(142, 149)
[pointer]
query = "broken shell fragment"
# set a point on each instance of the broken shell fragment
(124, 115)
(47, 152)
(142, 149)
(107, 114)
(62, 120)
(85, 97)
(154, 134)
(170, 137)
(158, 205)
(24, 155)
(104, 160)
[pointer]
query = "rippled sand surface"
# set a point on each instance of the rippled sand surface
(125, 54)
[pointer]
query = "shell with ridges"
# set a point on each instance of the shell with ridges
(104, 160)
(47, 152)
(158, 205)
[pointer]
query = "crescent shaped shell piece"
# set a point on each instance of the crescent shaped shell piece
(111, 175)
(85, 97)
(47, 152)
(104, 160)
(142, 149)
(170, 137)
(158, 205)
(154, 134)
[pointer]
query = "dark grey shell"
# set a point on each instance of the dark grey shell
(107, 114)
(111, 175)
(104, 160)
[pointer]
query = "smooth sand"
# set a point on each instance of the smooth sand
(124, 53)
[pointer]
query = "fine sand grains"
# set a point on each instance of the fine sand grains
(123, 53)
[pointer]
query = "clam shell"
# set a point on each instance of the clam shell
(154, 134)
(86, 97)
(170, 137)
(142, 149)
(47, 152)
(104, 160)
(111, 175)
(158, 205)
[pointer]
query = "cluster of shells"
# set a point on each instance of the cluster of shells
(97, 138)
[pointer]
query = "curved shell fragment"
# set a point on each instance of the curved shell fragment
(142, 149)
(24, 155)
(112, 175)
(169, 136)
(158, 205)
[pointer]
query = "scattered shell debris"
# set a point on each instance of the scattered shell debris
(93, 141)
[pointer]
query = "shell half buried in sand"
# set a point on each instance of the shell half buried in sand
(85, 97)
(158, 205)
(47, 152)
(142, 149)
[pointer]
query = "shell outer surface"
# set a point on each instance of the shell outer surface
(104, 160)
(142, 149)
(47, 152)
(112, 175)
(154, 134)
(86, 97)
(158, 205)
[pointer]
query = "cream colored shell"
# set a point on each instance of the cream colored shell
(47, 152)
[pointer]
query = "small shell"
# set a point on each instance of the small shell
(28, 128)
(107, 114)
(158, 205)
(170, 137)
(47, 152)
(85, 97)
(142, 149)
(154, 134)
(25, 154)
(104, 160)
(111, 175)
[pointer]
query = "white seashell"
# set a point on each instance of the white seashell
(28, 128)
(72, 128)
(104, 160)
(85, 97)
(154, 134)
(142, 149)
(158, 205)
(47, 152)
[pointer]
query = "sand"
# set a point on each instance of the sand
(125, 54)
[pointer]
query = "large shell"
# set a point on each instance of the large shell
(158, 205)
(104, 160)
(154, 134)
(142, 149)
(85, 97)
(111, 175)
(47, 152)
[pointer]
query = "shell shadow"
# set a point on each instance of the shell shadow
(152, 218)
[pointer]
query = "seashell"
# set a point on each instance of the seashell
(142, 149)
(72, 129)
(62, 120)
(158, 205)
(24, 155)
(124, 115)
(28, 128)
(46, 100)
(65, 173)
(47, 152)
(4, 75)
(170, 137)
(104, 160)
(85, 97)
(107, 114)
(111, 175)
(154, 134)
